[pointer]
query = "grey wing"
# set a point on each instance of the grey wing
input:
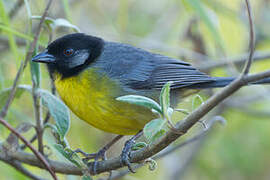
(142, 70)
(181, 73)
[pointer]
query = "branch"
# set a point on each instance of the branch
(172, 149)
(163, 142)
(56, 166)
(37, 154)
(155, 147)
(251, 41)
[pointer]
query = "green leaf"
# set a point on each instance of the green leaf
(58, 110)
(48, 21)
(195, 100)
(56, 107)
(154, 129)
(55, 133)
(70, 155)
(64, 23)
(165, 98)
(56, 23)
(141, 101)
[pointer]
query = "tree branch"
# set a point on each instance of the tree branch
(251, 39)
(155, 147)
(37, 154)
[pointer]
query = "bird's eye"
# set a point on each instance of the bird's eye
(68, 52)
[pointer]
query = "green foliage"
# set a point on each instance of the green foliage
(53, 24)
(70, 155)
(196, 101)
(157, 127)
(154, 129)
(159, 26)
(58, 110)
(141, 101)
(165, 98)
(56, 107)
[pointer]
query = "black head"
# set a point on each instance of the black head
(71, 53)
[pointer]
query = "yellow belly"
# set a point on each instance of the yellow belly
(92, 98)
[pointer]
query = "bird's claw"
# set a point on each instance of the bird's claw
(125, 154)
(101, 154)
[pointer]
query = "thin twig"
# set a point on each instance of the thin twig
(172, 149)
(45, 121)
(155, 147)
(38, 117)
(37, 154)
(183, 126)
(251, 39)
(25, 62)
(160, 144)
(13, 91)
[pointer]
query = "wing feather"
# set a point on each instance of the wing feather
(141, 70)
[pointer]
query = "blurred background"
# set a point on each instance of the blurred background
(210, 34)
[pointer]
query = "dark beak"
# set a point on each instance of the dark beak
(44, 57)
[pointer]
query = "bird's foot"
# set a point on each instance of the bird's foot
(125, 158)
(125, 155)
(101, 154)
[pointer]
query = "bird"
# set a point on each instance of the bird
(89, 73)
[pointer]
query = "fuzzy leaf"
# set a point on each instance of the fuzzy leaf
(68, 154)
(154, 129)
(64, 23)
(141, 101)
(58, 110)
(165, 98)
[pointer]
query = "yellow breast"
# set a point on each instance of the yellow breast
(91, 97)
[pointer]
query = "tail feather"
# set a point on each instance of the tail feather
(218, 82)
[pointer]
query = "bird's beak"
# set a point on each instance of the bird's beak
(44, 57)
